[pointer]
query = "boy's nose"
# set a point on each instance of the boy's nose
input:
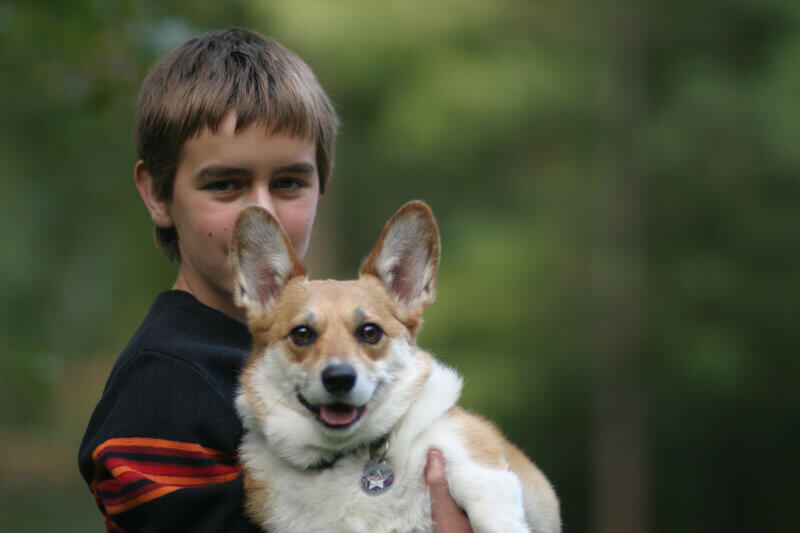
(260, 195)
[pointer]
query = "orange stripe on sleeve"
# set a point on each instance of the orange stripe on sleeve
(178, 481)
(157, 443)
(144, 498)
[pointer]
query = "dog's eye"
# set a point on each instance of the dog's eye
(302, 335)
(369, 333)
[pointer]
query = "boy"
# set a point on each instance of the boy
(226, 120)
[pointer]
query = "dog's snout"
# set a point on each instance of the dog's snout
(339, 378)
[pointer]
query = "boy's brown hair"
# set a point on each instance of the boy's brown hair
(211, 74)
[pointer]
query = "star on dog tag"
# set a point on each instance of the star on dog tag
(378, 477)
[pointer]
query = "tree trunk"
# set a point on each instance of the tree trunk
(619, 488)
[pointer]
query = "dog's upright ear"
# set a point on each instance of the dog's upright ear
(406, 257)
(262, 260)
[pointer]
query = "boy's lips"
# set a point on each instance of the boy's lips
(335, 416)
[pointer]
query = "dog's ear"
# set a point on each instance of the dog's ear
(406, 257)
(262, 260)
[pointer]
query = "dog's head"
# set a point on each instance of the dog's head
(334, 363)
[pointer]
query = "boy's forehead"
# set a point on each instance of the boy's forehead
(230, 125)
(254, 143)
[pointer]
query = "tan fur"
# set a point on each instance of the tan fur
(333, 306)
(427, 367)
(487, 446)
(538, 494)
(248, 383)
(519, 463)
(256, 496)
(484, 443)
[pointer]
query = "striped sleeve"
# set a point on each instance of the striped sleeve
(133, 471)
(159, 453)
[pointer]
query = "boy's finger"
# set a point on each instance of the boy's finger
(434, 470)
(447, 516)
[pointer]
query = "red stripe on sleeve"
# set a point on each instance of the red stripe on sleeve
(132, 471)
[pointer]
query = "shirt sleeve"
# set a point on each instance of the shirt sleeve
(160, 451)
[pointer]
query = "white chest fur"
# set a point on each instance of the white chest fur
(332, 500)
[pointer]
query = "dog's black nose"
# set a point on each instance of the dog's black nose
(339, 378)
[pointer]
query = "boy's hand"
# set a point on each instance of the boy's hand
(447, 516)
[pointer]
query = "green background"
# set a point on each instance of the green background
(617, 186)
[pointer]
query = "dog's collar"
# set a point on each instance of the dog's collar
(382, 444)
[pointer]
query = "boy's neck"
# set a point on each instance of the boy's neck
(222, 301)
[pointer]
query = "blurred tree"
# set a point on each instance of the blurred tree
(620, 472)
(493, 111)
(71, 73)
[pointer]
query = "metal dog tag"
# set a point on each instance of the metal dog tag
(378, 477)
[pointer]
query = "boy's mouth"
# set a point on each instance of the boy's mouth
(336, 415)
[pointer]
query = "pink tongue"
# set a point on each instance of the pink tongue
(337, 417)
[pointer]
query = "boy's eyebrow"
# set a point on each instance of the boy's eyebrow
(224, 171)
(296, 168)
(221, 171)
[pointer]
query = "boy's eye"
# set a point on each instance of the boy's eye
(287, 183)
(222, 186)
(369, 333)
(302, 335)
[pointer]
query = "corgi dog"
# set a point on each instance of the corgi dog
(340, 406)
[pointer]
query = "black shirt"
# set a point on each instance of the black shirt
(160, 450)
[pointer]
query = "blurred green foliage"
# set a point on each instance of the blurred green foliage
(493, 112)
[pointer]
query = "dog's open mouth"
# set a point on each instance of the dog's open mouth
(336, 415)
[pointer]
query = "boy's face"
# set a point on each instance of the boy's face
(218, 174)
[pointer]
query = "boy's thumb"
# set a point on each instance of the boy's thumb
(434, 470)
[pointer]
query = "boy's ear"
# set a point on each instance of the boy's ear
(158, 208)
(406, 257)
(262, 260)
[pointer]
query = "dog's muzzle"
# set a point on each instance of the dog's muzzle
(339, 380)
